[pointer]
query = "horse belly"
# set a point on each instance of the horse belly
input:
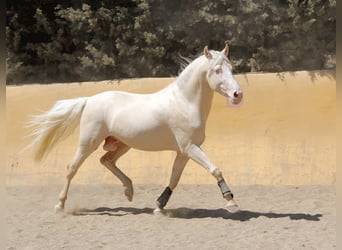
(149, 139)
(142, 130)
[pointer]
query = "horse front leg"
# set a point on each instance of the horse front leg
(195, 153)
(177, 170)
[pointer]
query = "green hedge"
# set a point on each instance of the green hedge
(94, 40)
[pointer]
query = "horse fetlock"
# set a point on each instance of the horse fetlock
(228, 196)
(59, 208)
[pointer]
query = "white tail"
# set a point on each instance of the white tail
(54, 125)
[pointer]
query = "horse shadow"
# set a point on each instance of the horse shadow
(189, 213)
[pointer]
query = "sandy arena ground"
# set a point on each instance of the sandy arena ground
(99, 217)
(277, 152)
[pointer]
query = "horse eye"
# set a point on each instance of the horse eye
(218, 71)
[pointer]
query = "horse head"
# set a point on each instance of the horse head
(220, 77)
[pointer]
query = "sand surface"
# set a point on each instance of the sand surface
(99, 217)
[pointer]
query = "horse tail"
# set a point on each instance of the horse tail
(55, 125)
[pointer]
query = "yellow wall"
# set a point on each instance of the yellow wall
(283, 134)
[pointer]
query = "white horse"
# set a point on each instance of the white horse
(173, 118)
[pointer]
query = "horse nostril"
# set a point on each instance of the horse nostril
(236, 95)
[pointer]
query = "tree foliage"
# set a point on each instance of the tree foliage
(73, 40)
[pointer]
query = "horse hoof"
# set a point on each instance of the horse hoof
(232, 206)
(159, 212)
(129, 193)
(59, 208)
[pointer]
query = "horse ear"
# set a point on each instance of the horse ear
(206, 52)
(225, 51)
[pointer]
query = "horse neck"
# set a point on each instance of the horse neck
(194, 87)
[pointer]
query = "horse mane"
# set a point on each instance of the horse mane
(183, 63)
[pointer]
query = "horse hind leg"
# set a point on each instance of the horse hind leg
(109, 161)
(81, 154)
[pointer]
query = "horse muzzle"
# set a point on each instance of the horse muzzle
(235, 100)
